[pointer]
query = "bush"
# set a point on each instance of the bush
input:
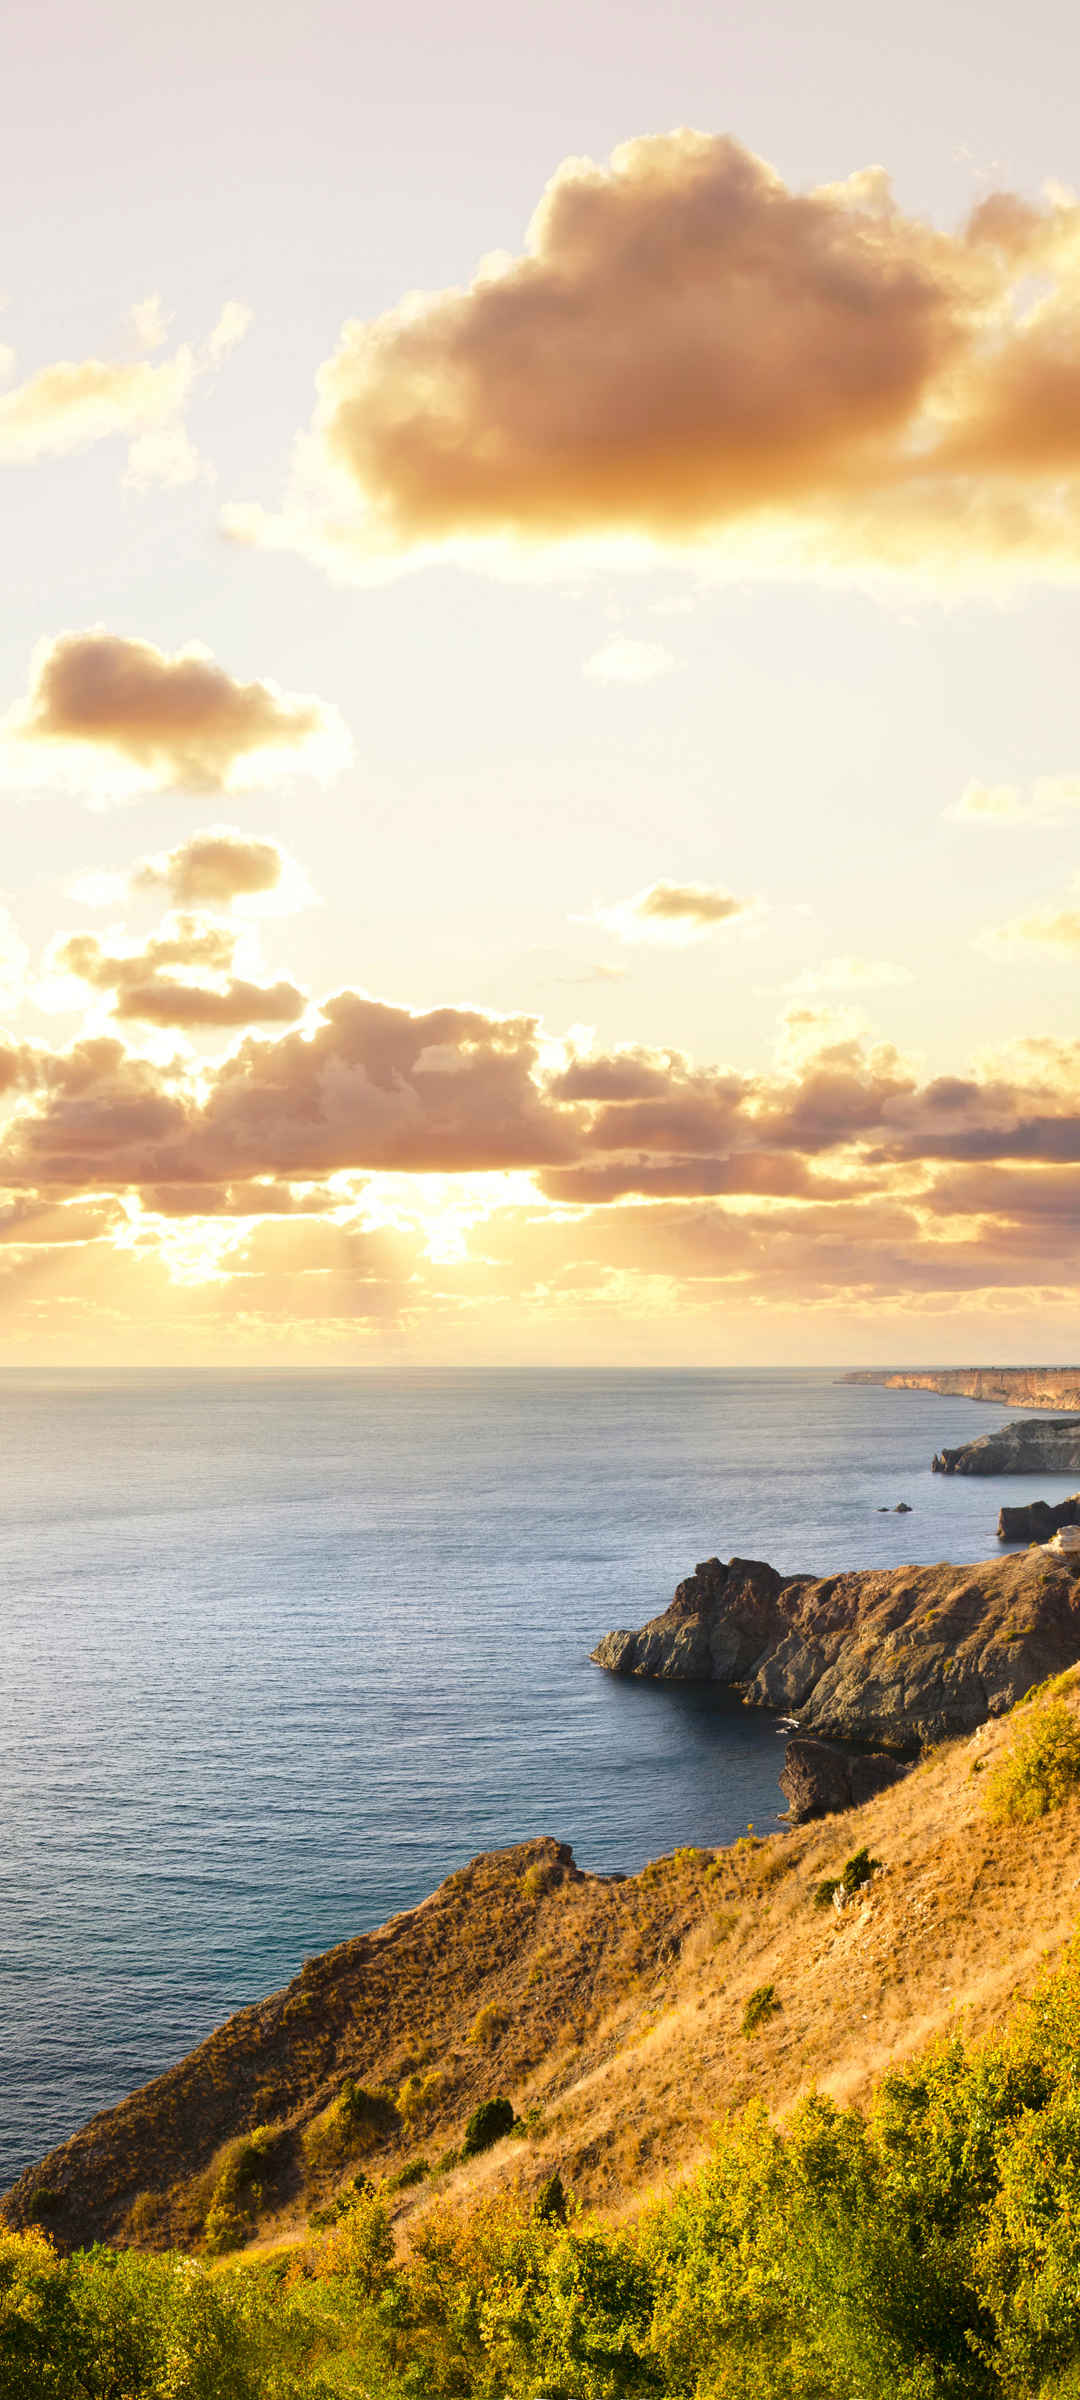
(551, 2201)
(489, 2025)
(927, 2250)
(543, 1876)
(487, 2124)
(860, 1870)
(354, 2122)
(761, 2005)
(239, 2189)
(1041, 1770)
(351, 2193)
(417, 2171)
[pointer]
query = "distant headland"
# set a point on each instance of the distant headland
(1017, 1387)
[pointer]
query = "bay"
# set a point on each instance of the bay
(280, 1652)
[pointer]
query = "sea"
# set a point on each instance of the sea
(281, 1652)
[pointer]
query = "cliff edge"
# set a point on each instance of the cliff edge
(1029, 1446)
(1018, 1387)
(897, 1656)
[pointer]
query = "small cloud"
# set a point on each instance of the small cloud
(674, 912)
(150, 322)
(626, 661)
(73, 403)
(114, 719)
(184, 978)
(1054, 928)
(1051, 800)
(222, 868)
(849, 975)
(596, 974)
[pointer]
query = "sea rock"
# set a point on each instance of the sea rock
(1030, 1446)
(1037, 1520)
(889, 1656)
(818, 1778)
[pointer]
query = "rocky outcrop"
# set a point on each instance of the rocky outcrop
(896, 1656)
(1030, 1446)
(1039, 1520)
(1018, 1387)
(818, 1779)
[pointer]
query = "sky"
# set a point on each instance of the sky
(538, 726)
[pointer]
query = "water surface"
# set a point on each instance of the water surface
(280, 1653)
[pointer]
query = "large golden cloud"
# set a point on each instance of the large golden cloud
(628, 1181)
(686, 347)
(116, 717)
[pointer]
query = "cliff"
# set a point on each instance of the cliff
(609, 2010)
(1038, 1520)
(1029, 1446)
(1018, 1387)
(897, 1656)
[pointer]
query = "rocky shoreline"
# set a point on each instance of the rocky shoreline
(1029, 1446)
(893, 1658)
(1017, 1387)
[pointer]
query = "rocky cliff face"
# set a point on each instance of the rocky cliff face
(896, 1656)
(1018, 1387)
(1030, 1446)
(1039, 1520)
(819, 1779)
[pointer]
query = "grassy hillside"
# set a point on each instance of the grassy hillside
(925, 2245)
(609, 2013)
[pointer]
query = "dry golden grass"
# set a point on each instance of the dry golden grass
(612, 2009)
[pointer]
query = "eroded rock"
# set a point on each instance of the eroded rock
(818, 1779)
(893, 1656)
(1031, 1446)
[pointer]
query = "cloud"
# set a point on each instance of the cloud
(849, 975)
(504, 1170)
(1052, 800)
(625, 661)
(596, 973)
(1053, 928)
(72, 404)
(165, 983)
(216, 868)
(444, 1092)
(115, 718)
(690, 354)
(673, 912)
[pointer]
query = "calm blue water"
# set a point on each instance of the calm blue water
(280, 1653)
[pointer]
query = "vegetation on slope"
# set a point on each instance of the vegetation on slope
(923, 2242)
(928, 2248)
(606, 2014)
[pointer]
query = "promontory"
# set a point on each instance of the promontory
(1018, 1387)
(898, 1656)
(1027, 1446)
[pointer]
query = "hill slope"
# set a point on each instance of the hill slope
(609, 2011)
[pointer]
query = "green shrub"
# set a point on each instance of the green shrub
(239, 2189)
(351, 2193)
(353, 2122)
(761, 2005)
(859, 1870)
(488, 2025)
(551, 2201)
(928, 2249)
(487, 2124)
(417, 2171)
(543, 1876)
(1041, 1770)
